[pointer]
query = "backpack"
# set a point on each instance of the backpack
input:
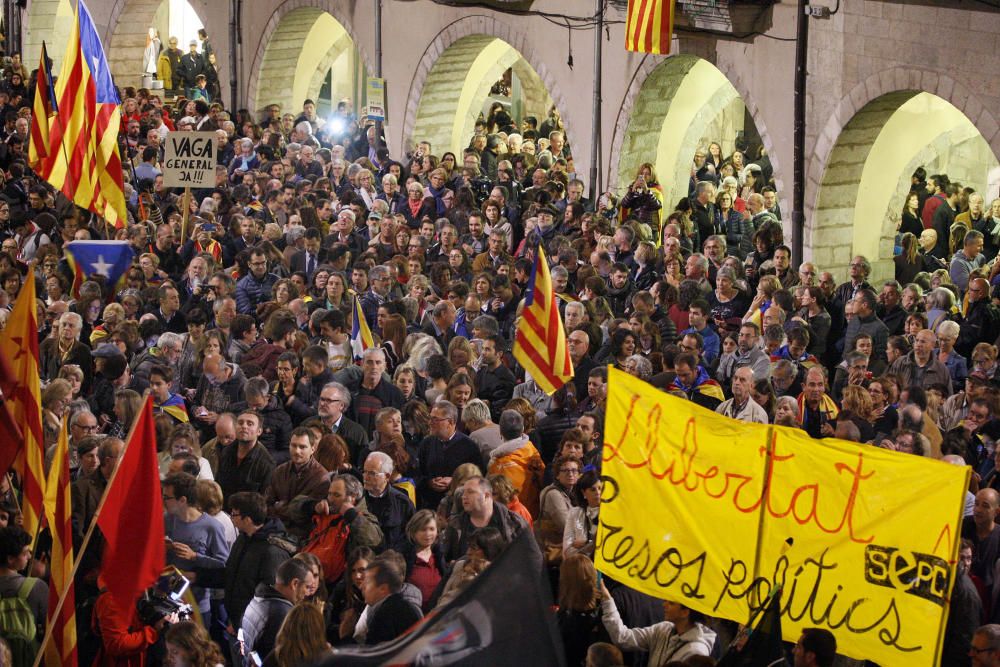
(328, 542)
(17, 624)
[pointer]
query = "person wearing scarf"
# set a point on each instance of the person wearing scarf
(694, 382)
(816, 408)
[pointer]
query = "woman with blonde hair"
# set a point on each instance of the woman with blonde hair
(579, 615)
(858, 402)
(301, 639)
(55, 397)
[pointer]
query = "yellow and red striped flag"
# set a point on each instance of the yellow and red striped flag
(43, 110)
(649, 26)
(540, 341)
(19, 346)
(61, 649)
(83, 159)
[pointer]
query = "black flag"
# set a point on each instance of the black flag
(503, 618)
(759, 644)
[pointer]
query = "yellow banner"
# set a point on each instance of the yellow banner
(711, 512)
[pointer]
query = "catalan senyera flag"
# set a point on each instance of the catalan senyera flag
(83, 159)
(540, 341)
(42, 112)
(361, 335)
(61, 649)
(649, 26)
(19, 345)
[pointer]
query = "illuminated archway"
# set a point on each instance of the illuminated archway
(49, 21)
(457, 89)
(868, 172)
(306, 48)
(683, 103)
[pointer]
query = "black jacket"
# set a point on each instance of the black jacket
(393, 511)
(392, 617)
(276, 429)
(253, 560)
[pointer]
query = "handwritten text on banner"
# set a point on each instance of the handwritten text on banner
(711, 512)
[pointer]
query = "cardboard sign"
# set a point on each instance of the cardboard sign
(376, 99)
(189, 160)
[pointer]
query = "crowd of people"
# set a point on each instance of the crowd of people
(319, 495)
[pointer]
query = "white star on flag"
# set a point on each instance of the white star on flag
(101, 267)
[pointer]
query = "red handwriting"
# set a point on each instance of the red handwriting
(747, 493)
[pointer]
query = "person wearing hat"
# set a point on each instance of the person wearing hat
(544, 233)
(192, 65)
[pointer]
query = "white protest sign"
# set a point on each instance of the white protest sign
(189, 160)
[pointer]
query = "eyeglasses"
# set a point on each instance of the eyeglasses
(372, 473)
(569, 471)
(166, 497)
(88, 429)
(329, 400)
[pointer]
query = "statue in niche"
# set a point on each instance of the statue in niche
(151, 55)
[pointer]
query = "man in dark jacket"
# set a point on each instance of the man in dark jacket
(389, 613)
(271, 603)
(192, 64)
(982, 320)
(254, 557)
(479, 511)
(245, 465)
(494, 381)
(440, 453)
(390, 506)
(275, 422)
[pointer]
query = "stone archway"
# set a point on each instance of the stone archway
(864, 157)
(445, 64)
(285, 43)
(50, 21)
(125, 40)
(647, 102)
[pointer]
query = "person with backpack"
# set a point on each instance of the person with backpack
(23, 600)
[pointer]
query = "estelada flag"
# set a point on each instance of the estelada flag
(131, 516)
(540, 341)
(502, 618)
(110, 259)
(44, 108)
(83, 160)
(649, 26)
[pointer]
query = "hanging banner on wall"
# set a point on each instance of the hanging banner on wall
(712, 513)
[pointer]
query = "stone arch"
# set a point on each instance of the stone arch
(471, 37)
(281, 44)
(340, 48)
(843, 204)
(125, 38)
(647, 109)
(50, 21)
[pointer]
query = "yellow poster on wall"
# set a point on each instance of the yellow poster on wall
(712, 513)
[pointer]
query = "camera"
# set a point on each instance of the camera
(481, 188)
(165, 598)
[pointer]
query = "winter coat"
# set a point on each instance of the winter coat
(660, 640)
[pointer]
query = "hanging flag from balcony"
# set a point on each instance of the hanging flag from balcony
(650, 26)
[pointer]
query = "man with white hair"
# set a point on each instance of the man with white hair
(373, 392)
(741, 406)
(479, 424)
(390, 506)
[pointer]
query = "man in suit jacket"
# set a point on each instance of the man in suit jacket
(388, 613)
(309, 259)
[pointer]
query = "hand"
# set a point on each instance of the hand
(826, 430)
(183, 551)
(169, 619)
(322, 507)
(209, 417)
(579, 544)
(348, 620)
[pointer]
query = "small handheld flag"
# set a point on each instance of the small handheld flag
(540, 341)
(361, 335)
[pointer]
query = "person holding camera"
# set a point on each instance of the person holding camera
(125, 638)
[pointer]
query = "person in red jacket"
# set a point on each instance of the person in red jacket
(125, 640)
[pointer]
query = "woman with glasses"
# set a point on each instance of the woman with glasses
(554, 505)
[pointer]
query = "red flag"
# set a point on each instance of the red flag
(131, 517)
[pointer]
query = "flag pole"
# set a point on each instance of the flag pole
(186, 213)
(50, 626)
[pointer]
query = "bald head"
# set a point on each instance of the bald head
(213, 365)
(979, 289)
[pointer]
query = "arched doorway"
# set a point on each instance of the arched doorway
(52, 21)
(867, 175)
(469, 76)
(684, 103)
(309, 52)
